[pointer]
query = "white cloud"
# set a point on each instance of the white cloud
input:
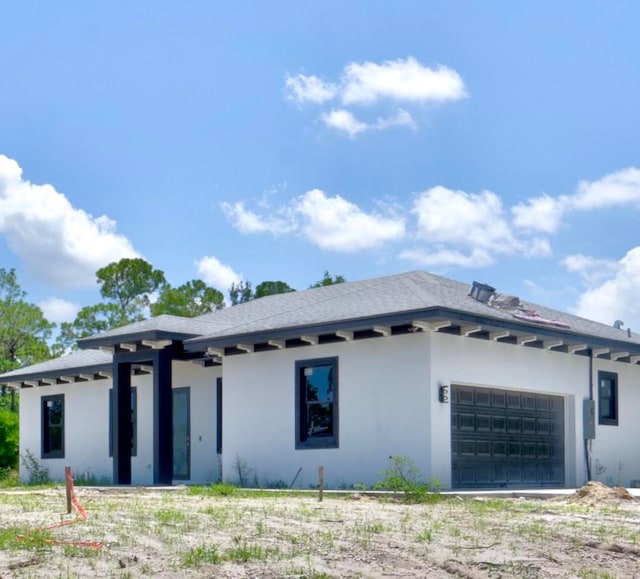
(619, 188)
(57, 242)
(302, 88)
(545, 213)
(247, 221)
(448, 257)
(403, 80)
(329, 222)
(364, 84)
(464, 219)
(542, 213)
(592, 270)
(343, 120)
(217, 274)
(58, 310)
(616, 298)
(339, 225)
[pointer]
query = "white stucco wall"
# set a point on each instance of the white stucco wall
(616, 449)
(474, 362)
(86, 411)
(388, 405)
(86, 425)
(205, 462)
(384, 410)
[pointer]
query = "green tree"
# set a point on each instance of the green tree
(128, 284)
(270, 288)
(191, 299)
(240, 292)
(9, 434)
(24, 331)
(90, 320)
(328, 279)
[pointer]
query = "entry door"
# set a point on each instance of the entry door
(181, 434)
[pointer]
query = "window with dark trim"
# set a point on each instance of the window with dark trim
(607, 398)
(317, 403)
(53, 426)
(134, 421)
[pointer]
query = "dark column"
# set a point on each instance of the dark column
(162, 416)
(121, 421)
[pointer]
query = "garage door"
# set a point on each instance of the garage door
(506, 439)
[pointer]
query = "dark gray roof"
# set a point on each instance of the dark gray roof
(412, 293)
(82, 361)
(157, 328)
(355, 305)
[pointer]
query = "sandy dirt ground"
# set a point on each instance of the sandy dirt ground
(176, 533)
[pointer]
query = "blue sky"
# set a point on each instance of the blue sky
(489, 141)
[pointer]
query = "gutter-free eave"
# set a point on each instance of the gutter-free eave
(429, 314)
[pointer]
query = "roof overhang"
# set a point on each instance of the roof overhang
(433, 319)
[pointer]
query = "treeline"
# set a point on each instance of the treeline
(131, 290)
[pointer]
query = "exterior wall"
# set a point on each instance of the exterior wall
(86, 416)
(474, 362)
(383, 404)
(205, 462)
(388, 405)
(615, 459)
(86, 443)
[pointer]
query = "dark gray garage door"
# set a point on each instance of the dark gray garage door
(506, 439)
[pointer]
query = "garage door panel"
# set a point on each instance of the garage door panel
(503, 438)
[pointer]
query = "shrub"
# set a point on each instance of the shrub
(403, 476)
(9, 433)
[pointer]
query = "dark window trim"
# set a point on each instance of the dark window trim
(134, 421)
(45, 430)
(219, 415)
(300, 422)
(610, 420)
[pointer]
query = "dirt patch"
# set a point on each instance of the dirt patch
(156, 533)
(595, 493)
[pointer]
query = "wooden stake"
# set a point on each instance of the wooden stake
(67, 478)
(320, 482)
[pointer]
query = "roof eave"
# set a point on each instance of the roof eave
(201, 343)
(98, 341)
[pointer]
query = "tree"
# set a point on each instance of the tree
(128, 283)
(90, 320)
(191, 299)
(9, 433)
(327, 279)
(240, 292)
(270, 288)
(24, 331)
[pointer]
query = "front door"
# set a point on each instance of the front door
(181, 434)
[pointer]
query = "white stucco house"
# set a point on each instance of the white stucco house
(479, 389)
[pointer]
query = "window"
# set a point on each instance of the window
(134, 421)
(317, 403)
(607, 398)
(53, 426)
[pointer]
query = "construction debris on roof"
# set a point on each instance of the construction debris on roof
(486, 294)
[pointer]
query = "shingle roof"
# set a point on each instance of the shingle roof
(408, 292)
(159, 327)
(413, 295)
(83, 360)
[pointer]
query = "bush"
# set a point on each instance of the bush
(9, 437)
(38, 474)
(403, 476)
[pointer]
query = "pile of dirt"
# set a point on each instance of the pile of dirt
(595, 493)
